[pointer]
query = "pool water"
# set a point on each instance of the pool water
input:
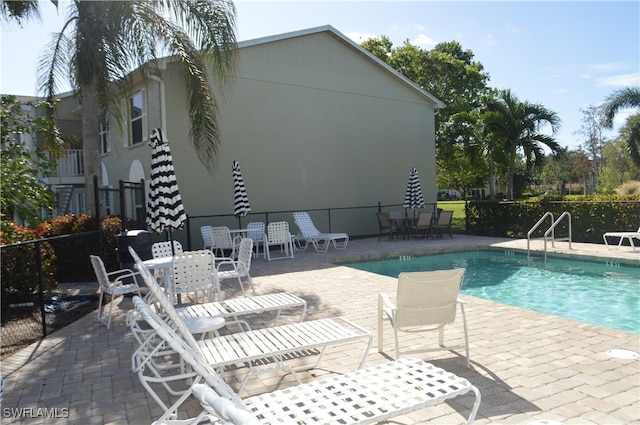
(603, 294)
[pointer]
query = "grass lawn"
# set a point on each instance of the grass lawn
(458, 221)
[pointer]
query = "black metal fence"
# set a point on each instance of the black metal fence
(46, 284)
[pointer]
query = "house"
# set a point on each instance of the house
(314, 120)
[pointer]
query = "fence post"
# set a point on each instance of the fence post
(38, 246)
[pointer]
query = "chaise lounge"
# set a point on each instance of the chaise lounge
(312, 236)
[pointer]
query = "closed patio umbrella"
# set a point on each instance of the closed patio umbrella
(413, 196)
(164, 208)
(241, 207)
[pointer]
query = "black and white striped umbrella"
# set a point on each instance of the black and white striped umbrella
(164, 208)
(241, 205)
(413, 196)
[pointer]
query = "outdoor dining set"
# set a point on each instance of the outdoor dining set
(420, 225)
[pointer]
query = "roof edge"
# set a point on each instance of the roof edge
(438, 104)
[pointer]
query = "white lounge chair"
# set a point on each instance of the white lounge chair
(425, 301)
(622, 235)
(266, 343)
(367, 396)
(117, 282)
(312, 236)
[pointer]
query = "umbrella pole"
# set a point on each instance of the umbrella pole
(170, 239)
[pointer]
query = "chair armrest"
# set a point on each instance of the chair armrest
(226, 262)
(386, 302)
(460, 301)
(122, 275)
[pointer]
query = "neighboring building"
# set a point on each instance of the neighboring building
(315, 122)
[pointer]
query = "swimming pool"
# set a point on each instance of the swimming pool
(603, 294)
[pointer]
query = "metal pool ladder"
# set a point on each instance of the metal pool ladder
(550, 233)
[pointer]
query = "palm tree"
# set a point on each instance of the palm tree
(518, 125)
(628, 97)
(103, 41)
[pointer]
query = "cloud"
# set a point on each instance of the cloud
(489, 40)
(423, 40)
(359, 37)
(622, 80)
(513, 28)
(605, 67)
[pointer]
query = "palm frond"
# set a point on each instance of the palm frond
(628, 97)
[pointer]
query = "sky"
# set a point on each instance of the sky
(565, 55)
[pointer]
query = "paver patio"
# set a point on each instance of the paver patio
(528, 366)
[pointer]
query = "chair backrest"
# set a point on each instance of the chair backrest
(206, 237)
(255, 231)
(305, 224)
(444, 219)
(221, 238)
(243, 263)
(101, 272)
(383, 220)
(193, 359)
(278, 233)
(194, 271)
(165, 304)
(396, 215)
(424, 218)
(427, 298)
(163, 249)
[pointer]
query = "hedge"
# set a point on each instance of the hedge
(590, 219)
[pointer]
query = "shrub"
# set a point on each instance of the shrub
(629, 188)
(19, 271)
(590, 217)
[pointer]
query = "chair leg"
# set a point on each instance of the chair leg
(100, 307)
(110, 311)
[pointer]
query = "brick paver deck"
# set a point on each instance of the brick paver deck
(528, 366)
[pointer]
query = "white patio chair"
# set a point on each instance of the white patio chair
(425, 301)
(312, 236)
(271, 345)
(278, 235)
(367, 396)
(115, 283)
(238, 269)
(207, 237)
(193, 274)
(222, 241)
(256, 231)
(234, 308)
(163, 249)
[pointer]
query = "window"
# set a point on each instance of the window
(138, 114)
(104, 140)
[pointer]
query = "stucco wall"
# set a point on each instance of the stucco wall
(314, 124)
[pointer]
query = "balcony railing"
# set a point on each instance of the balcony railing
(70, 163)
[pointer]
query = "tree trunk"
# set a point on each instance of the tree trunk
(90, 144)
(492, 182)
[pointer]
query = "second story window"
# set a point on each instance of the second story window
(138, 114)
